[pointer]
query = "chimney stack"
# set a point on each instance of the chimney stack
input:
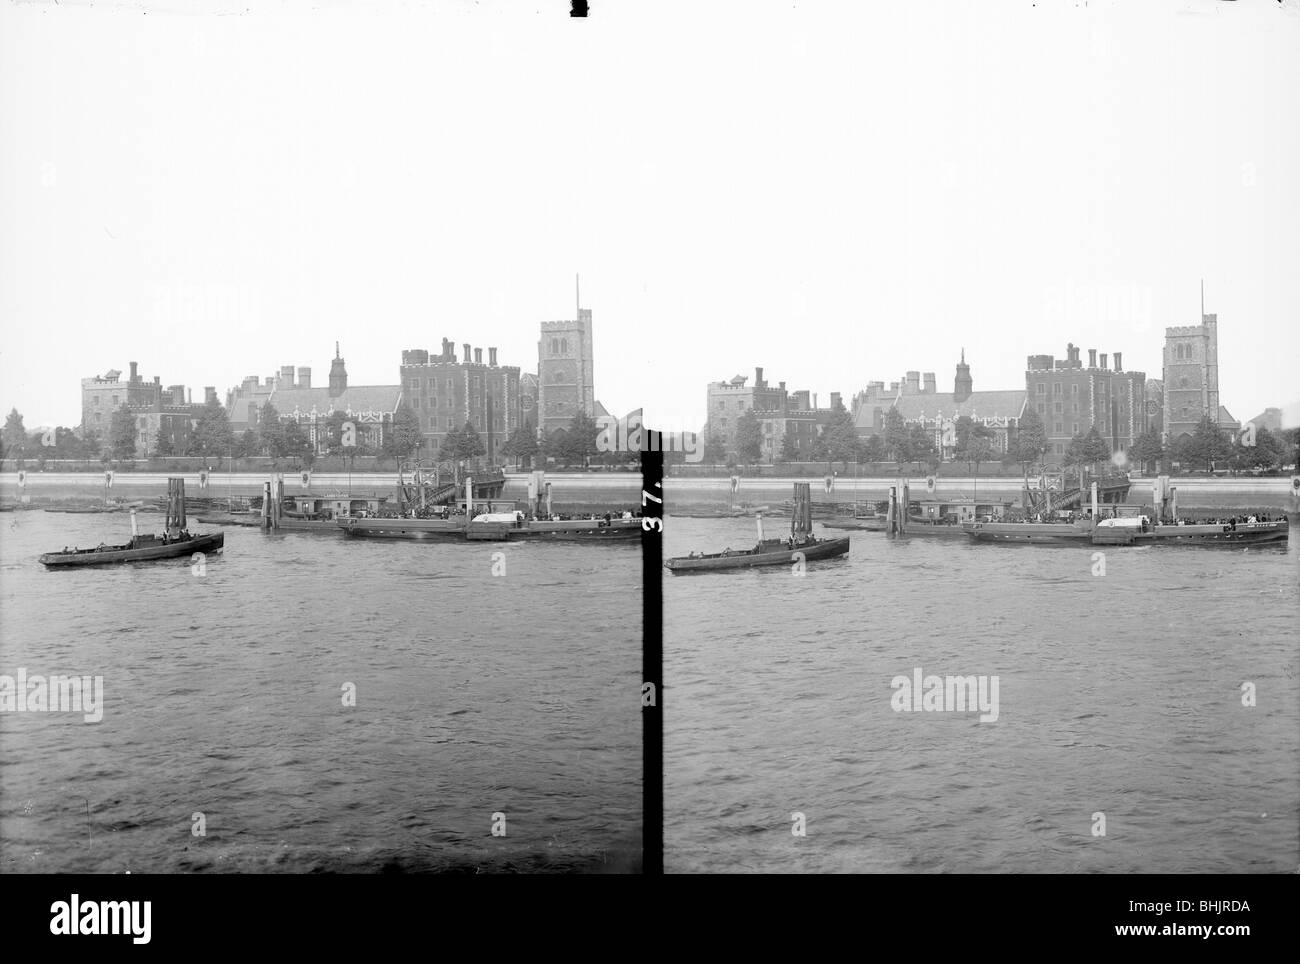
(209, 394)
(466, 345)
(134, 377)
(1103, 361)
(286, 376)
(929, 389)
(478, 356)
(157, 380)
(1092, 358)
(304, 377)
(783, 386)
(492, 357)
(758, 377)
(835, 399)
(1119, 362)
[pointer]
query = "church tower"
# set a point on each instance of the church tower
(961, 385)
(338, 375)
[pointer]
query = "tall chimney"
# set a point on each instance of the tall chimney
(466, 353)
(304, 377)
(492, 357)
(157, 379)
(835, 399)
(928, 378)
(286, 376)
(1119, 362)
(478, 356)
(134, 377)
(1092, 358)
(913, 386)
(1103, 360)
(758, 377)
(209, 394)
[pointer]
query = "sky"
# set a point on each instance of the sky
(839, 193)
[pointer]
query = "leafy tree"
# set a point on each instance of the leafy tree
(1208, 444)
(296, 443)
(212, 434)
(91, 445)
(873, 449)
(246, 445)
(962, 429)
(789, 453)
(920, 447)
(1074, 451)
(749, 438)
(1095, 449)
(1030, 442)
(333, 441)
(980, 449)
(1266, 453)
(1147, 448)
(13, 437)
(897, 439)
(1289, 446)
(403, 435)
(271, 432)
(842, 442)
(460, 444)
(162, 446)
(580, 440)
(819, 450)
(61, 443)
(449, 446)
(715, 450)
(122, 434)
(1182, 450)
(522, 445)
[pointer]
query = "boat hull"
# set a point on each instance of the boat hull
(1028, 532)
(576, 530)
(417, 529)
(854, 524)
(572, 530)
(1248, 533)
(208, 542)
(822, 549)
(928, 530)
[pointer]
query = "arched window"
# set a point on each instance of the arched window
(564, 346)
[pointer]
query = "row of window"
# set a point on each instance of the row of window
(453, 423)
(1057, 388)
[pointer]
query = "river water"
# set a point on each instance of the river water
(1120, 695)
(516, 694)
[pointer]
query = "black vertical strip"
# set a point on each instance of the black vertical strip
(652, 656)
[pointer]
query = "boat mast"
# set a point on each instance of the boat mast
(175, 506)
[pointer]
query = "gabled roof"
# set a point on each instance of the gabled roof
(358, 398)
(930, 407)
